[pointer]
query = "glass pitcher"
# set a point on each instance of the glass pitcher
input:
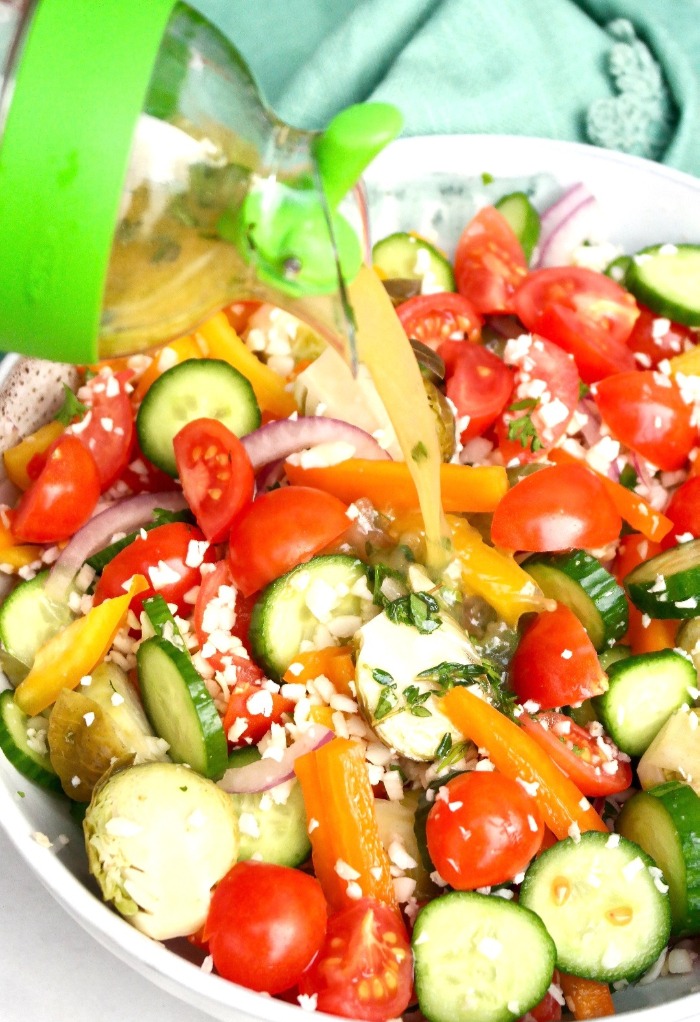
(144, 184)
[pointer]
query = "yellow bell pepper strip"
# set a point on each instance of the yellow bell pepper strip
(687, 363)
(18, 457)
(493, 575)
(586, 998)
(636, 511)
(170, 355)
(72, 653)
(518, 756)
(342, 826)
(220, 340)
(14, 556)
(389, 485)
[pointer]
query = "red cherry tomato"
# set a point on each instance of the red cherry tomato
(364, 969)
(684, 511)
(584, 312)
(645, 410)
(239, 313)
(265, 924)
(251, 711)
(546, 391)
(107, 429)
(161, 558)
(593, 764)
(548, 1010)
(219, 600)
(489, 262)
(655, 338)
(279, 530)
(478, 384)
(216, 474)
(482, 829)
(435, 318)
(556, 508)
(555, 663)
(142, 476)
(62, 497)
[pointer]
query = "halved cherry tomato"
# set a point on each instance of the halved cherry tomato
(279, 530)
(107, 429)
(556, 508)
(645, 410)
(435, 318)
(655, 338)
(216, 473)
(555, 663)
(62, 497)
(239, 313)
(265, 924)
(593, 764)
(489, 262)
(478, 384)
(584, 312)
(482, 829)
(549, 1008)
(142, 476)
(684, 511)
(215, 592)
(546, 391)
(162, 558)
(364, 969)
(251, 711)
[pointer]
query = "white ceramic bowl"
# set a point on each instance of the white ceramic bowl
(419, 184)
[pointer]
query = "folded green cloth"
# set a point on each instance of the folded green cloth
(624, 74)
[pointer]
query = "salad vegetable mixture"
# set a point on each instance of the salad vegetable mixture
(356, 777)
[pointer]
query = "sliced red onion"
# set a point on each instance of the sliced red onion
(555, 215)
(269, 476)
(569, 234)
(268, 773)
(125, 516)
(279, 439)
(644, 473)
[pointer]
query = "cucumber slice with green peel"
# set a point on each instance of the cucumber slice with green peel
(523, 218)
(668, 585)
(180, 708)
(674, 755)
(162, 621)
(479, 958)
(603, 902)
(580, 581)
(270, 830)
(608, 657)
(20, 748)
(644, 690)
(665, 822)
(28, 619)
(688, 639)
(306, 605)
(409, 257)
(194, 389)
(617, 269)
(665, 278)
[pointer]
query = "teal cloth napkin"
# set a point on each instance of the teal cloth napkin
(624, 74)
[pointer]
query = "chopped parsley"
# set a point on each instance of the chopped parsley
(522, 428)
(376, 576)
(72, 410)
(628, 477)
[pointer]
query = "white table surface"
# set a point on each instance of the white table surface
(51, 969)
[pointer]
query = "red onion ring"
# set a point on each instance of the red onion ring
(125, 516)
(555, 215)
(277, 440)
(569, 233)
(268, 773)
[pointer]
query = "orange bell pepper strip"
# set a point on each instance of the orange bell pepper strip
(169, 355)
(342, 826)
(586, 998)
(389, 486)
(73, 652)
(644, 634)
(518, 756)
(14, 556)
(18, 457)
(220, 340)
(636, 511)
(334, 662)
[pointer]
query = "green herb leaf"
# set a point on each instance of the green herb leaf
(418, 609)
(71, 410)
(419, 452)
(387, 702)
(628, 477)
(383, 677)
(522, 428)
(444, 746)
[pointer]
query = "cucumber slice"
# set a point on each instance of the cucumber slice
(665, 278)
(523, 218)
(14, 742)
(688, 639)
(409, 257)
(194, 389)
(479, 958)
(617, 269)
(580, 581)
(28, 619)
(298, 608)
(162, 621)
(643, 692)
(665, 822)
(674, 755)
(273, 830)
(603, 903)
(180, 708)
(396, 823)
(668, 585)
